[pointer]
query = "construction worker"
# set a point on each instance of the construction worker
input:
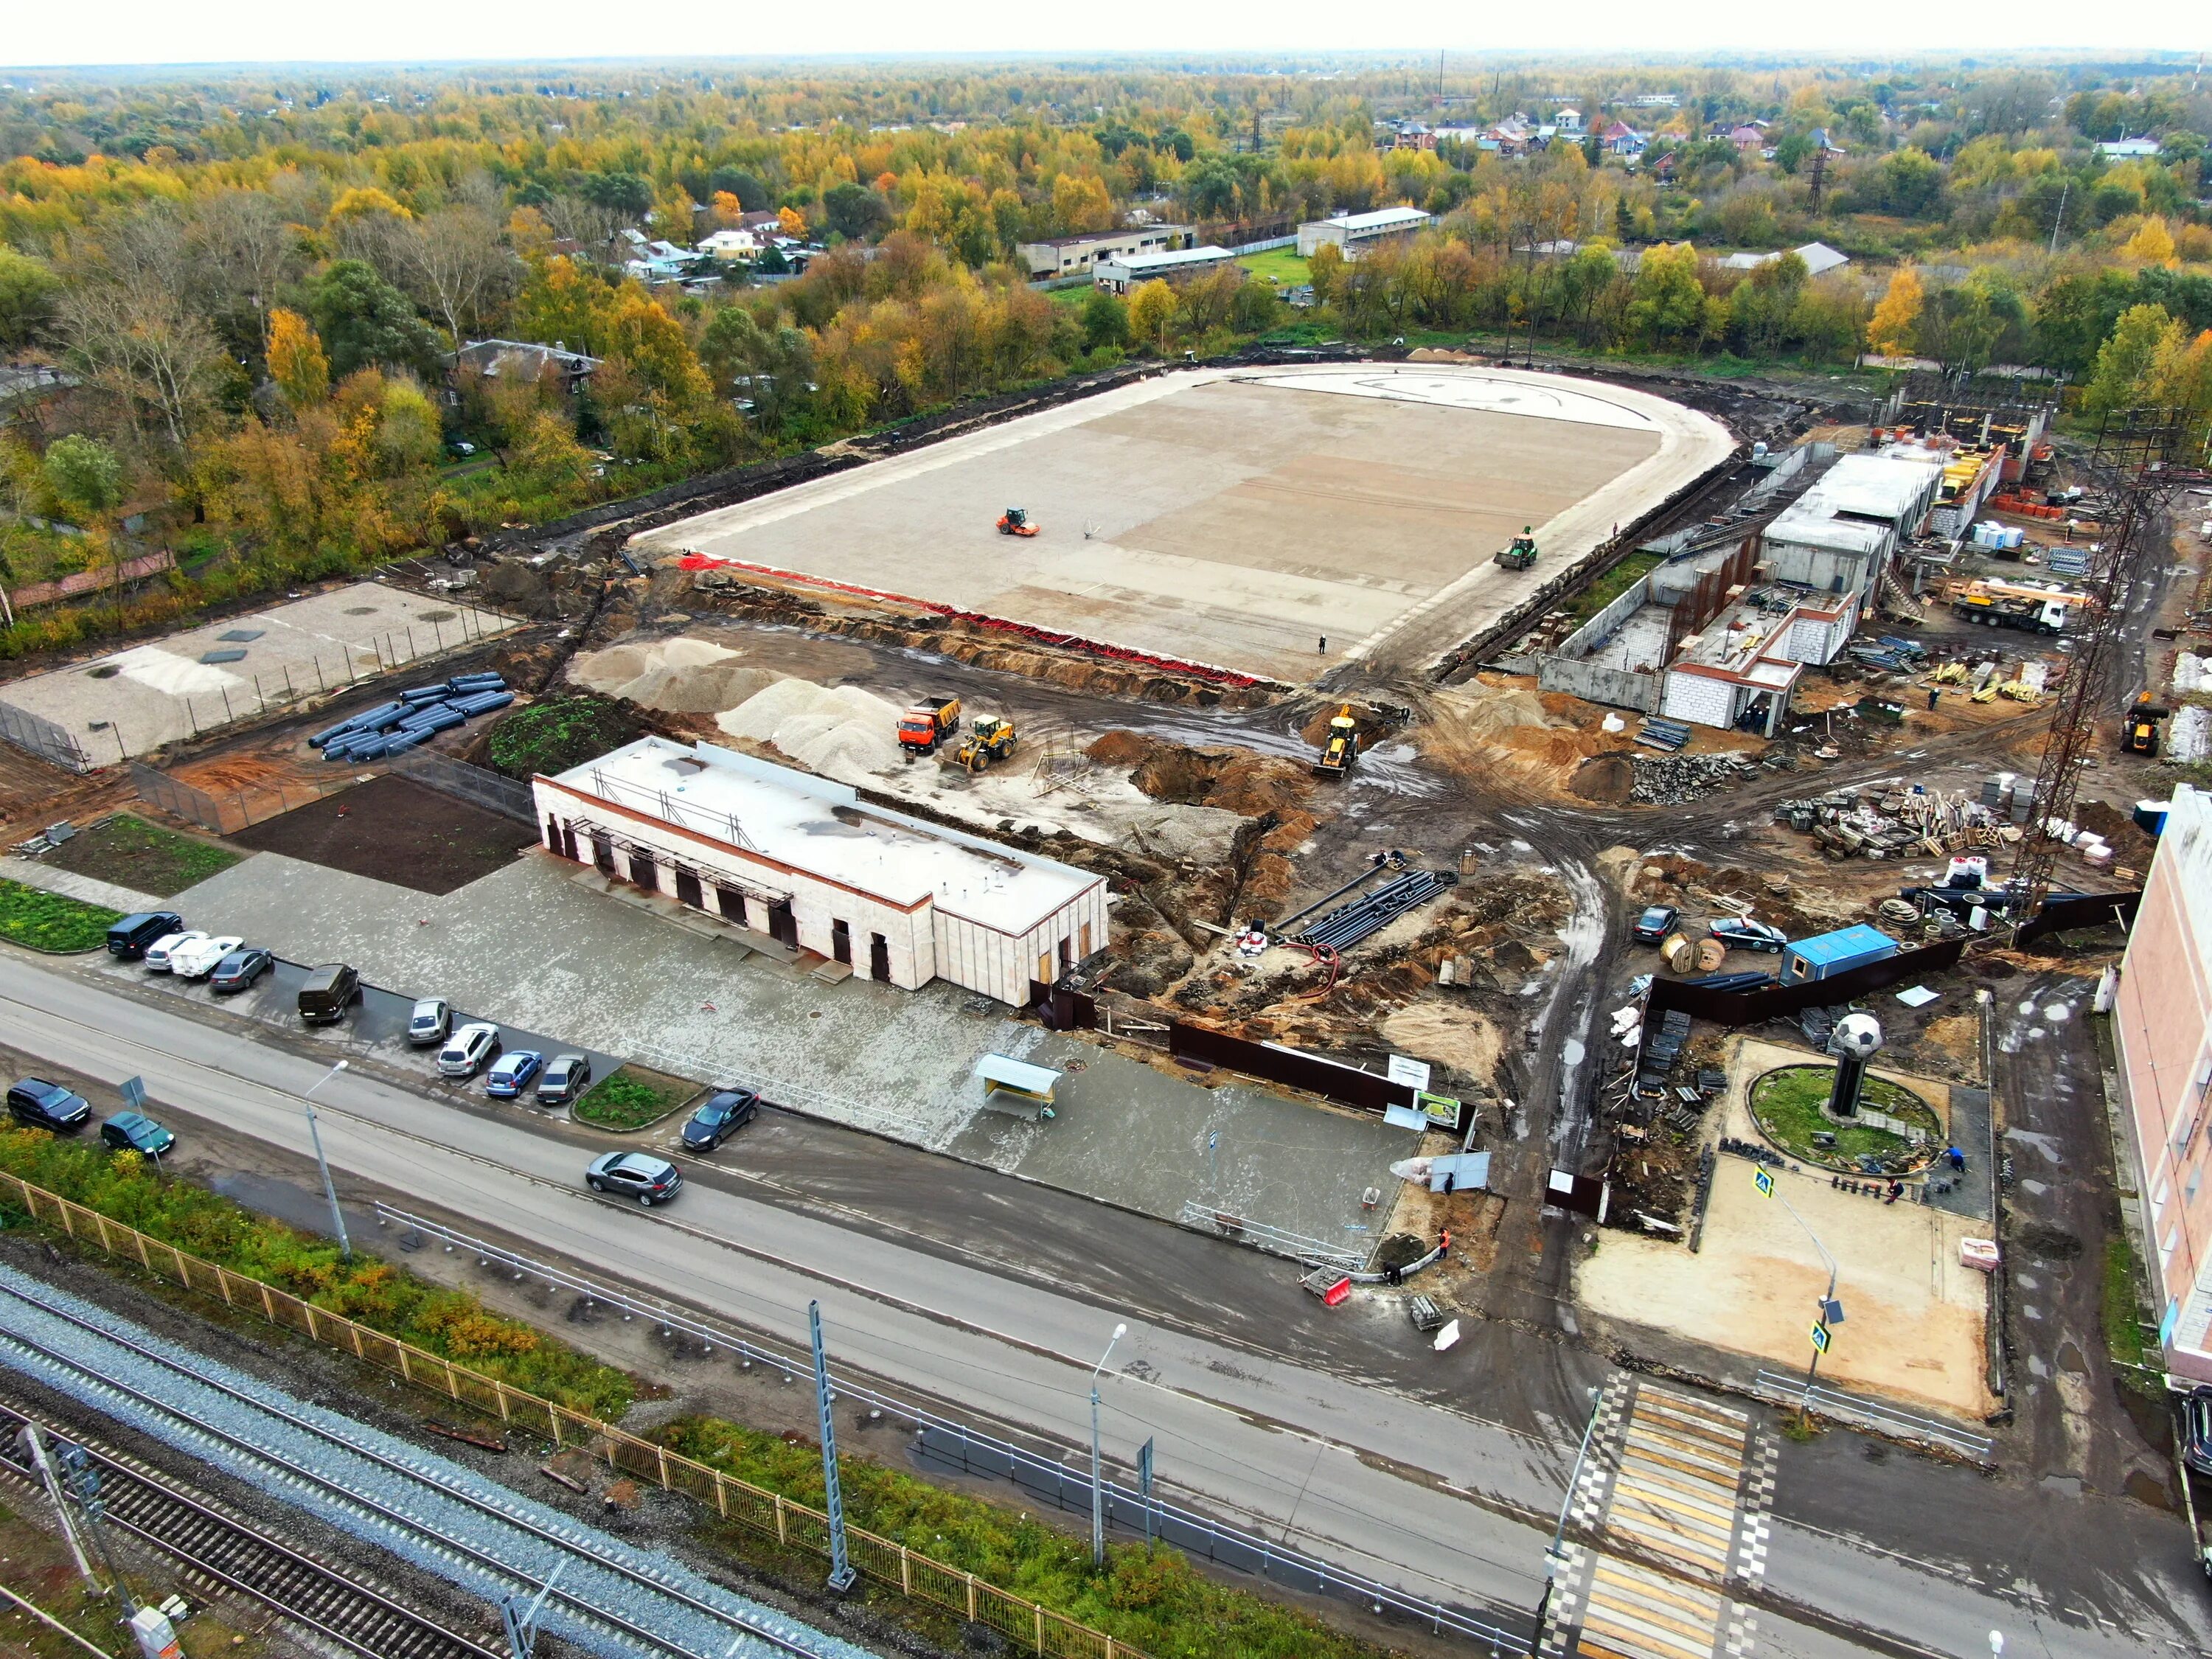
(1933, 695)
(1322, 649)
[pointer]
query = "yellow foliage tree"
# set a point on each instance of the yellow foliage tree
(362, 200)
(1080, 203)
(296, 359)
(1889, 331)
(791, 222)
(2152, 243)
(1151, 309)
(728, 209)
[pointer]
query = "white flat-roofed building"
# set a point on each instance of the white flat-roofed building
(1353, 233)
(1076, 256)
(1176, 266)
(1839, 537)
(807, 862)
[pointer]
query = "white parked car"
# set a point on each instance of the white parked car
(160, 955)
(468, 1049)
(197, 959)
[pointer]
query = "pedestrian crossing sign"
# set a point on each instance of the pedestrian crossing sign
(1763, 1181)
(1819, 1337)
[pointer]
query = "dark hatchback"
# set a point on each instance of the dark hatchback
(134, 1131)
(46, 1105)
(724, 1113)
(238, 970)
(1655, 923)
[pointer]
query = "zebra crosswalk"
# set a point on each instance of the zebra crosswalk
(1675, 1487)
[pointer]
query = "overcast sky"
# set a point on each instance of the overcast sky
(93, 32)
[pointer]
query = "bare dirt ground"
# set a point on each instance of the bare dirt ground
(395, 830)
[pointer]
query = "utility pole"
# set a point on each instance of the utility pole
(841, 1570)
(1559, 1532)
(521, 1626)
(32, 1438)
(84, 1480)
(2065, 185)
(315, 1134)
(1097, 1482)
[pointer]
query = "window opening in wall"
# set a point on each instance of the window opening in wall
(840, 942)
(644, 872)
(731, 903)
(879, 958)
(688, 890)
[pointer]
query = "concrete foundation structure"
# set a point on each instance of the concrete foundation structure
(1241, 517)
(801, 859)
(2162, 1032)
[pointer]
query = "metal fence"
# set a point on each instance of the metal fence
(226, 812)
(1883, 1419)
(37, 735)
(472, 784)
(1025, 1624)
(1276, 1241)
(964, 1446)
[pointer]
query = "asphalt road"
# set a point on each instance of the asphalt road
(1420, 1492)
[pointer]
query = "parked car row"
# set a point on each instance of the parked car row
(466, 1051)
(38, 1104)
(160, 940)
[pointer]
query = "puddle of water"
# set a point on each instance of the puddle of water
(1571, 1051)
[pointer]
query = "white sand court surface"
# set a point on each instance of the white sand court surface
(1238, 517)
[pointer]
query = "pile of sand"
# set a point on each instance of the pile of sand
(1484, 711)
(839, 732)
(680, 676)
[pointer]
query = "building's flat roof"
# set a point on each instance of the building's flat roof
(1169, 257)
(823, 829)
(1380, 219)
(1845, 942)
(1833, 513)
(1106, 235)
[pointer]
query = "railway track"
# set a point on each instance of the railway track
(610, 1599)
(221, 1551)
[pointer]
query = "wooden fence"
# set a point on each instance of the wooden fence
(1036, 1629)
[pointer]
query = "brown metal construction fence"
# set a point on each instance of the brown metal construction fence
(1782, 1002)
(1033, 1628)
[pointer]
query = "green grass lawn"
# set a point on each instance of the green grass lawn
(47, 921)
(632, 1097)
(1282, 264)
(1611, 586)
(132, 853)
(1787, 1103)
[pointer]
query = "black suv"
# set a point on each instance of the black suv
(130, 935)
(48, 1106)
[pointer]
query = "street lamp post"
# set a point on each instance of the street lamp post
(1097, 1481)
(315, 1134)
(1827, 1301)
(1559, 1532)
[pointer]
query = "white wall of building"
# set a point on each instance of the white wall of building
(1699, 699)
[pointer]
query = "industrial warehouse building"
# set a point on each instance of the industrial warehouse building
(1124, 271)
(1075, 255)
(1353, 234)
(805, 862)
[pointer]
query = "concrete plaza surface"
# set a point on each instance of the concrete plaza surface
(529, 946)
(162, 692)
(1237, 517)
(1915, 1314)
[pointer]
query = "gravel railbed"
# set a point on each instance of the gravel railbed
(194, 1404)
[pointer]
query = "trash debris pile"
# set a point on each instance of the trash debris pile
(1890, 819)
(1670, 779)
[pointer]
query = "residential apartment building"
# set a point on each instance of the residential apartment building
(2163, 1039)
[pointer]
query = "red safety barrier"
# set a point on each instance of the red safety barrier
(983, 619)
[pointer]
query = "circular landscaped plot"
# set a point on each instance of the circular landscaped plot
(1787, 1105)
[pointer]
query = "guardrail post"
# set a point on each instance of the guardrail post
(783, 1537)
(971, 1598)
(1037, 1609)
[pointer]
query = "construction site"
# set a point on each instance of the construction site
(1503, 760)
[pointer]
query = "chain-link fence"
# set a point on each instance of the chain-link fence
(472, 784)
(226, 812)
(39, 736)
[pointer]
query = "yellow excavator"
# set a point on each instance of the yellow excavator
(1341, 747)
(990, 739)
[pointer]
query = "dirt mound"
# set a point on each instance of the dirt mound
(841, 732)
(1119, 748)
(1490, 711)
(1607, 778)
(1460, 1038)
